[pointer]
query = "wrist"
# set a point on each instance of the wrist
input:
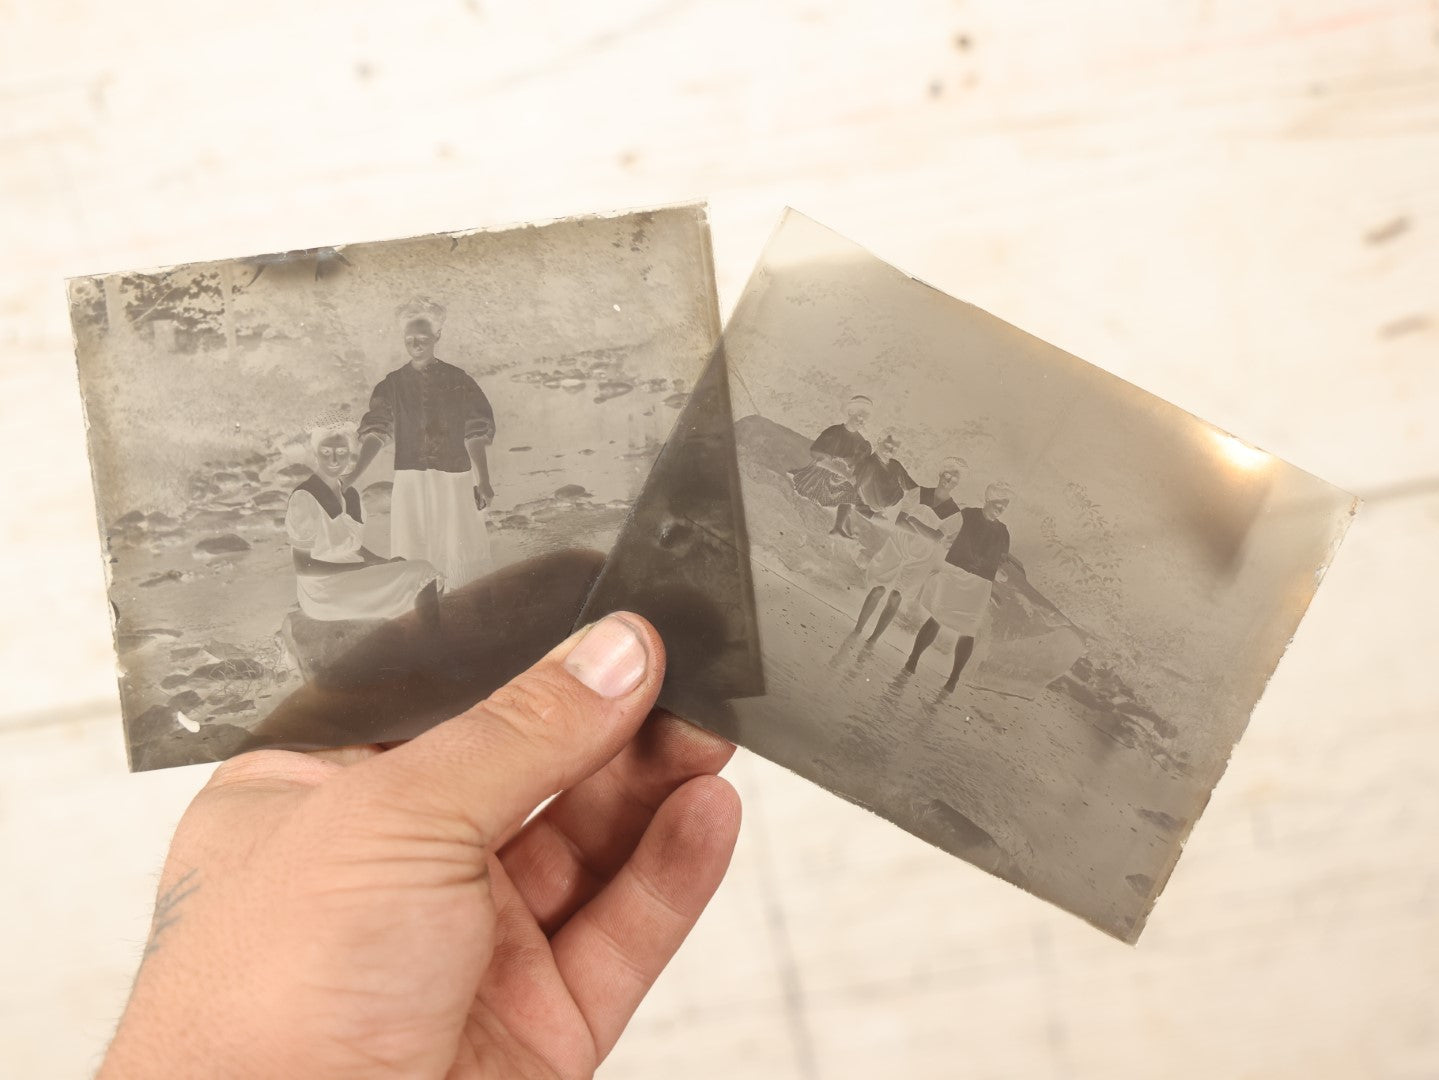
(164, 1034)
(203, 1016)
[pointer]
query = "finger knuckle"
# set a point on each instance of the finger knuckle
(261, 767)
(533, 706)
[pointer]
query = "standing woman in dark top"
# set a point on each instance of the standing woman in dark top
(440, 422)
(829, 477)
(956, 595)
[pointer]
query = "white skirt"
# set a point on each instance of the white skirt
(433, 518)
(956, 599)
(904, 562)
(383, 591)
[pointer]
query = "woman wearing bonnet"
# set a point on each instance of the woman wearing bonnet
(957, 594)
(908, 555)
(880, 480)
(829, 477)
(336, 576)
(441, 424)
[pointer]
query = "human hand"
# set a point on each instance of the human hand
(364, 914)
(484, 495)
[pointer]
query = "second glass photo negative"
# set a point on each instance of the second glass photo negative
(1015, 605)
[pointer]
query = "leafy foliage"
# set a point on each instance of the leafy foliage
(87, 305)
(193, 303)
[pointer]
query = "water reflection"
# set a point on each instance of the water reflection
(893, 691)
(845, 652)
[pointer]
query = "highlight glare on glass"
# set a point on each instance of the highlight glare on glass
(1241, 454)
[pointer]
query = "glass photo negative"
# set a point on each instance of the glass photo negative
(344, 493)
(1012, 603)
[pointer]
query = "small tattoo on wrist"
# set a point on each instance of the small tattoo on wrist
(166, 910)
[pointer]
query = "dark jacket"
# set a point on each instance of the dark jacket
(430, 415)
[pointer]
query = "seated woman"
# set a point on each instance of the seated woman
(880, 480)
(829, 477)
(336, 577)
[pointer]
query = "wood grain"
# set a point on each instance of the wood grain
(1233, 203)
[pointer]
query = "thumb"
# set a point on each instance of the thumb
(475, 778)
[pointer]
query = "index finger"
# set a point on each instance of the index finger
(568, 852)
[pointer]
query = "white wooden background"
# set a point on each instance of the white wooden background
(1234, 203)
